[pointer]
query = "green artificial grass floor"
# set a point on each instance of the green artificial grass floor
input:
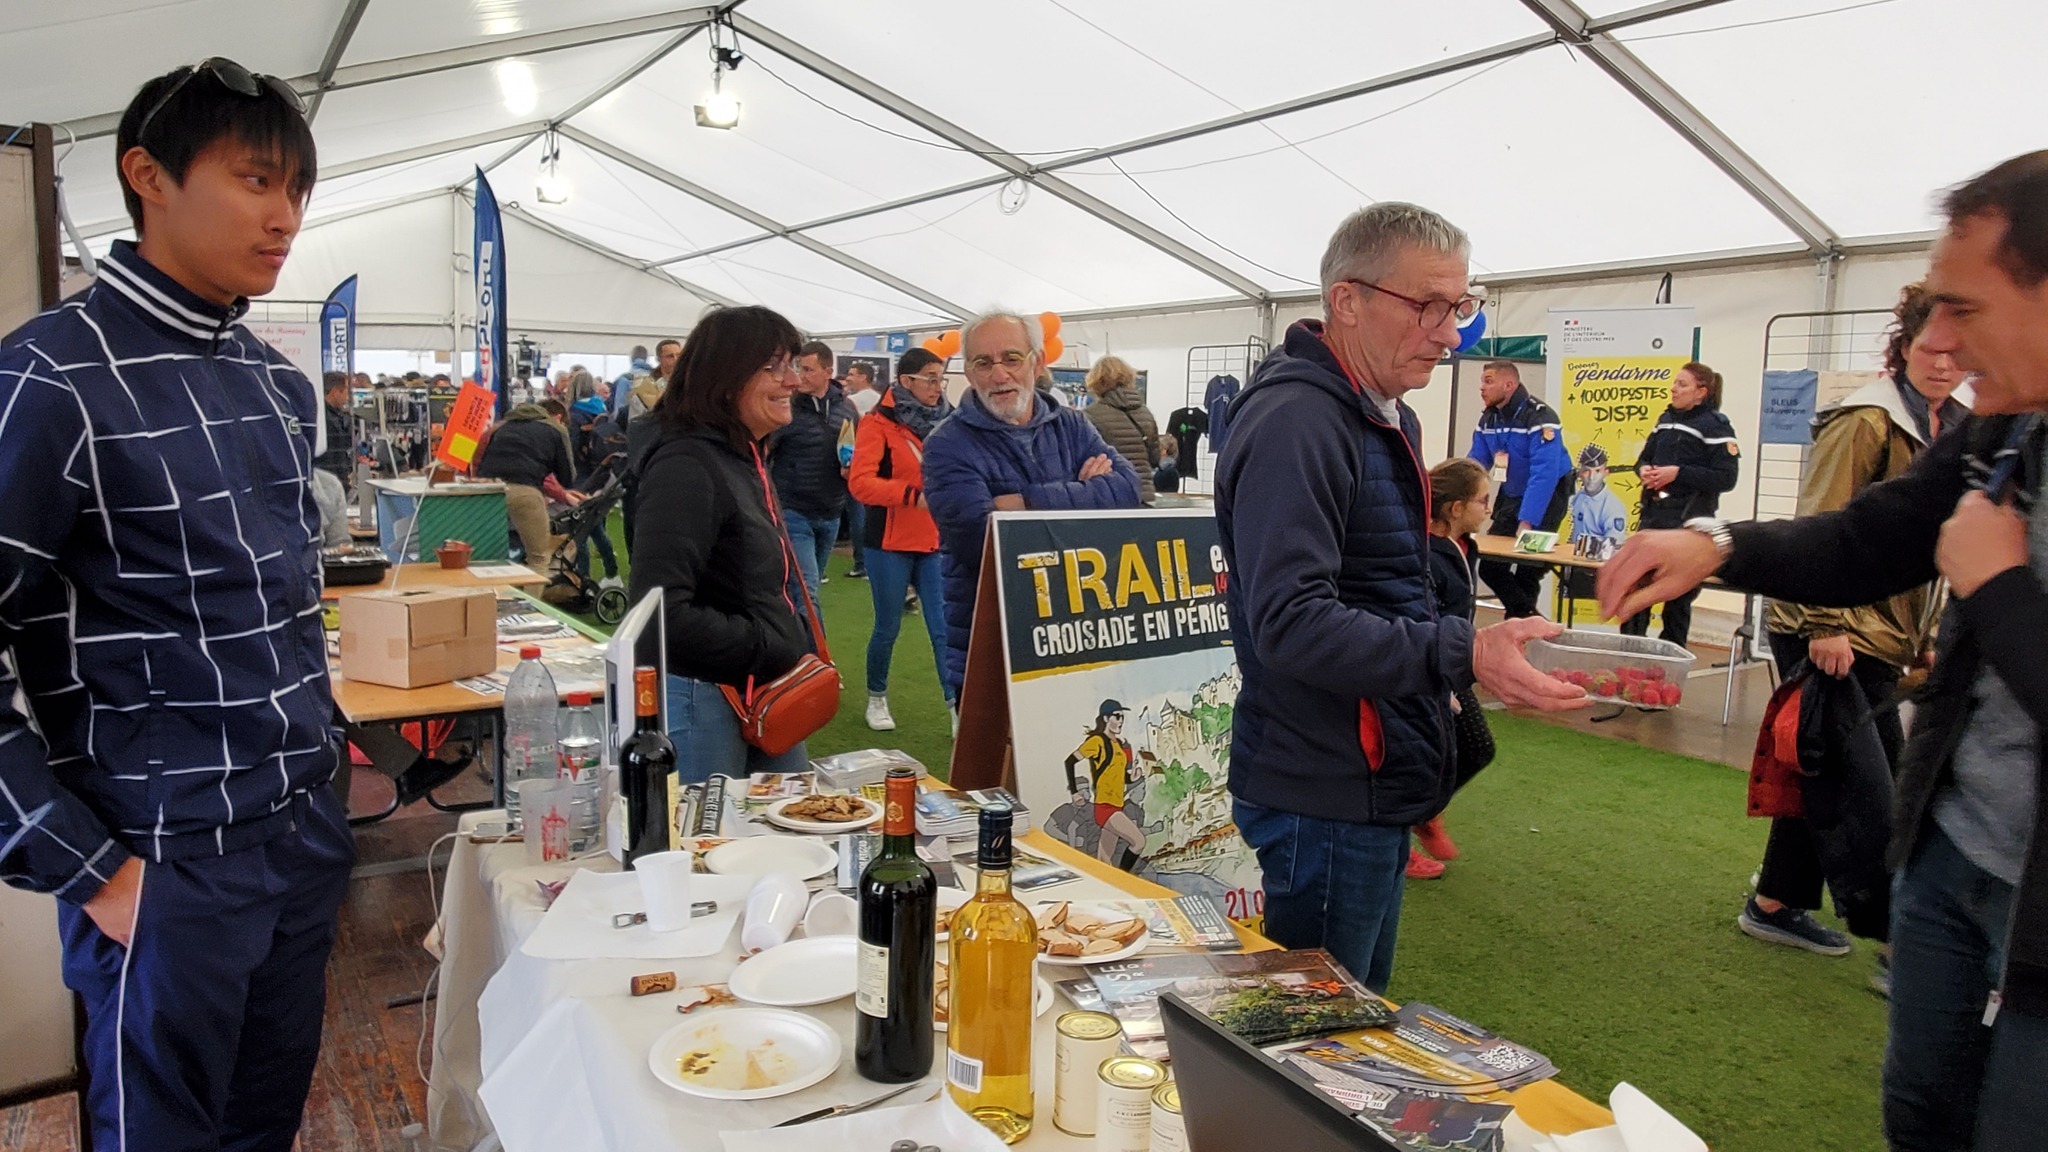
(1591, 917)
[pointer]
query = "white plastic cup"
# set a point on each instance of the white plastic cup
(665, 885)
(773, 909)
(547, 818)
(832, 914)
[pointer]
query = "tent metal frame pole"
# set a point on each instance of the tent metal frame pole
(618, 82)
(961, 138)
(1626, 69)
(429, 151)
(656, 172)
(560, 233)
(344, 31)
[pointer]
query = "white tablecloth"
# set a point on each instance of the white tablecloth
(550, 1055)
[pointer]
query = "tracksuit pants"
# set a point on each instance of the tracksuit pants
(203, 1033)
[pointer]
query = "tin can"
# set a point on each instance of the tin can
(1169, 1133)
(1084, 1041)
(1123, 1103)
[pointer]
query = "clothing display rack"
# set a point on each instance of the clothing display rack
(1205, 363)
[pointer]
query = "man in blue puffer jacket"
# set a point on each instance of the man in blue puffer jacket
(1341, 738)
(1007, 449)
(167, 779)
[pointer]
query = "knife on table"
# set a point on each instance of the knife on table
(843, 1109)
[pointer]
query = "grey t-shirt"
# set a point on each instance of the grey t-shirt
(1988, 809)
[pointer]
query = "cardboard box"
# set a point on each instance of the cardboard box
(412, 639)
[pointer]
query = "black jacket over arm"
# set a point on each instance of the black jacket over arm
(1883, 544)
(707, 536)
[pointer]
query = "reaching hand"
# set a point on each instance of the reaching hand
(1096, 466)
(1980, 541)
(1832, 655)
(1502, 668)
(1654, 567)
(113, 908)
(1009, 503)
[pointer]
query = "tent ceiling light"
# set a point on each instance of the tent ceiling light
(719, 109)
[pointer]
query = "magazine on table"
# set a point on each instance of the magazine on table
(1413, 1119)
(1428, 1049)
(1262, 997)
(858, 849)
(1192, 921)
(947, 812)
(1029, 871)
(765, 788)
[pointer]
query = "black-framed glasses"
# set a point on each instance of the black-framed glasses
(1430, 313)
(234, 78)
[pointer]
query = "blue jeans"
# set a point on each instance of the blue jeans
(889, 574)
(1945, 1074)
(812, 541)
(857, 530)
(707, 737)
(1330, 884)
(601, 542)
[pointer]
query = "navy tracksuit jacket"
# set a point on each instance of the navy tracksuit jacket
(160, 611)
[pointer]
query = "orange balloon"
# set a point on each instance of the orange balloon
(1053, 349)
(949, 342)
(1050, 322)
(934, 346)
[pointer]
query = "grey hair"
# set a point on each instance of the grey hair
(1033, 334)
(1367, 243)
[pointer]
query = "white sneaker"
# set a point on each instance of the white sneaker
(878, 714)
(956, 721)
(611, 582)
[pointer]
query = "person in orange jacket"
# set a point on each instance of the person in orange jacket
(899, 539)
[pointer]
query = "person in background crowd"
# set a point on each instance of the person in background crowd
(1969, 928)
(1460, 503)
(810, 472)
(862, 391)
(1166, 477)
(642, 433)
(1007, 449)
(644, 389)
(524, 451)
(861, 387)
(638, 372)
(587, 405)
(1124, 421)
(163, 779)
(1340, 741)
(902, 543)
(336, 466)
(1869, 436)
(1523, 433)
(1690, 458)
(712, 539)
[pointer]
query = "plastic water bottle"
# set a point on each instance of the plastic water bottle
(530, 707)
(581, 749)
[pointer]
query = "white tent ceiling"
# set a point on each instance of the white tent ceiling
(1164, 151)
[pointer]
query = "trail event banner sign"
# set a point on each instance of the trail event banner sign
(1610, 374)
(493, 349)
(299, 341)
(1121, 685)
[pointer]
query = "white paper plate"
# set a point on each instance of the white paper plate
(1041, 999)
(760, 855)
(777, 817)
(950, 899)
(813, 970)
(779, 1052)
(1100, 912)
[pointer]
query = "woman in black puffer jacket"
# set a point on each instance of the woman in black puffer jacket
(708, 533)
(1690, 459)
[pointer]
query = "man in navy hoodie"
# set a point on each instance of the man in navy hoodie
(1341, 739)
(160, 616)
(1007, 449)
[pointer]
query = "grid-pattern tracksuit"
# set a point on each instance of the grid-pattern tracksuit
(160, 614)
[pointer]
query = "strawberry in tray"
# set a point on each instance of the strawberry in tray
(1627, 684)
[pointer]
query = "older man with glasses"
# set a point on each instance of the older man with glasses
(1341, 739)
(1005, 450)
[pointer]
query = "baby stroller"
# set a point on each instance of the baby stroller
(567, 587)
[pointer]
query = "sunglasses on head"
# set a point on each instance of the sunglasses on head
(231, 76)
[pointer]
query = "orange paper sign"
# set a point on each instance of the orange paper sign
(468, 418)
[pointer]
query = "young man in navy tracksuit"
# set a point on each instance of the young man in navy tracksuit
(1341, 739)
(1525, 432)
(160, 611)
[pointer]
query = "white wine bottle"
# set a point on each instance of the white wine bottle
(993, 950)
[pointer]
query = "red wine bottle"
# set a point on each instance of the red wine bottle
(898, 903)
(647, 762)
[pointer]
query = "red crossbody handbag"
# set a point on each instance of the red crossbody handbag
(784, 712)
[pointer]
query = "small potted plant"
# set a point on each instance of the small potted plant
(454, 553)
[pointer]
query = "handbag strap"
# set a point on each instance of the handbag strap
(788, 559)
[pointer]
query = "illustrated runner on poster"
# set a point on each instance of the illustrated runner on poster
(1110, 763)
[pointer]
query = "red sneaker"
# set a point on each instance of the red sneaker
(1421, 867)
(1435, 840)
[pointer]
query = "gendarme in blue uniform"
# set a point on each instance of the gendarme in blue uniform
(1529, 433)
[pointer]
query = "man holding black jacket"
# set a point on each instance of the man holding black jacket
(1969, 1006)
